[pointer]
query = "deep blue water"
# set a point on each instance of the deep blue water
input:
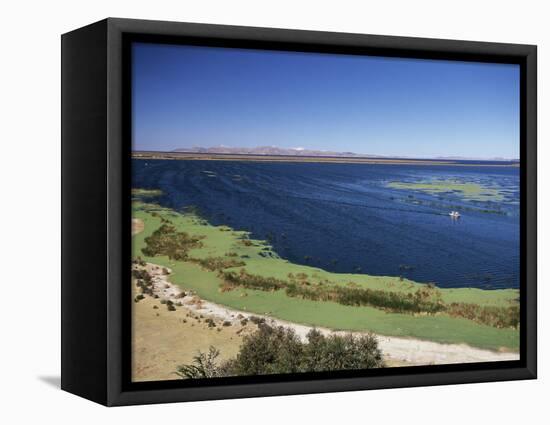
(343, 218)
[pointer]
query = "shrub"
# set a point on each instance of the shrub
(257, 320)
(426, 299)
(143, 281)
(341, 352)
(166, 240)
(219, 263)
(498, 317)
(204, 366)
(269, 350)
(421, 301)
(140, 261)
(142, 275)
(279, 350)
(251, 281)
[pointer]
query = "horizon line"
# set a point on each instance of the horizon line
(341, 155)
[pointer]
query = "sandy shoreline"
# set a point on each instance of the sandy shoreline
(398, 351)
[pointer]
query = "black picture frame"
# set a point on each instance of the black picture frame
(96, 191)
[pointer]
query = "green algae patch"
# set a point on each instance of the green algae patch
(142, 194)
(467, 190)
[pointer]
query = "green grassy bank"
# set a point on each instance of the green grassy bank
(253, 257)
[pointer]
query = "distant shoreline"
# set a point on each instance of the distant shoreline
(189, 156)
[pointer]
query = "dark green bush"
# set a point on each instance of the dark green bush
(204, 366)
(257, 320)
(341, 352)
(251, 281)
(142, 274)
(498, 317)
(166, 240)
(274, 350)
(219, 263)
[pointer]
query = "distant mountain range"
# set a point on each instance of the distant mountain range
(274, 150)
(473, 158)
(270, 150)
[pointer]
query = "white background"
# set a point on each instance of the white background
(30, 196)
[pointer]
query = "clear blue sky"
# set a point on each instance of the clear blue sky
(187, 96)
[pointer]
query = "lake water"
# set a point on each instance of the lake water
(344, 217)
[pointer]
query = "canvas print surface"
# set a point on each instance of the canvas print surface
(305, 212)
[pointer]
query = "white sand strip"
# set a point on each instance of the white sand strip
(403, 351)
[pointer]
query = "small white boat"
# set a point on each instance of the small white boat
(454, 214)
